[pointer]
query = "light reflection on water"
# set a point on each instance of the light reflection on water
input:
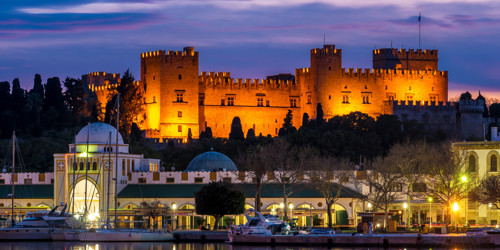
(180, 246)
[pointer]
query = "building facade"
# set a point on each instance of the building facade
(178, 100)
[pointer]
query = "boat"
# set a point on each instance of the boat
(494, 235)
(261, 225)
(38, 225)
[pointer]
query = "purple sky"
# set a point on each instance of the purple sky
(249, 38)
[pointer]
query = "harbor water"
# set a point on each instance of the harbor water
(178, 246)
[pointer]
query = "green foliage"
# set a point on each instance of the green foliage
(218, 199)
(495, 110)
(288, 128)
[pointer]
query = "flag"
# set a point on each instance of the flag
(420, 17)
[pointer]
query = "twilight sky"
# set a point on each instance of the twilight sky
(249, 38)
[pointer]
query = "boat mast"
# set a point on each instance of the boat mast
(13, 173)
(116, 157)
(86, 172)
(109, 181)
(75, 167)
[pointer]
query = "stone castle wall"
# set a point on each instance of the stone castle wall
(213, 99)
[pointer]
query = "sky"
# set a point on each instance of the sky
(249, 38)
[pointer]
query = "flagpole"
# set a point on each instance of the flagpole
(419, 22)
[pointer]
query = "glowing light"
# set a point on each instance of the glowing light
(489, 204)
(369, 205)
(92, 217)
(290, 205)
(429, 199)
(464, 178)
(77, 216)
(455, 207)
(83, 154)
(378, 225)
(174, 206)
(282, 205)
(405, 205)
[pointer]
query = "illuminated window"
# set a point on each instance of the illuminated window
(309, 99)
(180, 97)
(293, 102)
(345, 98)
(179, 128)
(179, 113)
(230, 101)
(260, 102)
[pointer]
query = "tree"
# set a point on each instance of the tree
(252, 162)
(319, 115)
(190, 136)
(446, 177)
(250, 133)
(131, 102)
(286, 165)
(53, 94)
(385, 182)
(495, 110)
(218, 199)
(388, 128)
(153, 209)
(74, 96)
(236, 130)
(488, 191)
(326, 177)
(207, 134)
(288, 127)
(305, 120)
(38, 87)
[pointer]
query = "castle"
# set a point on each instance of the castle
(179, 101)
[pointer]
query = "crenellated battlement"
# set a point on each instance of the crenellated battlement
(421, 105)
(151, 54)
(367, 72)
(327, 50)
(172, 56)
(403, 53)
(471, 106)
(223, 80)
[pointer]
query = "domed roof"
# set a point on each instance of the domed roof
(98, 133)
(211, 161)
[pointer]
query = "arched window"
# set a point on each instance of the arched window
(75, 166)
(81, 166)
(88, 165)
(493, 163)
(94, 166)
(472, 163)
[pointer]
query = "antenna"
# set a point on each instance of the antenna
(419, 22)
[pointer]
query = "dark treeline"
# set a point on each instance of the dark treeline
(45, 118)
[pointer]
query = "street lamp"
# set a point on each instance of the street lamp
(489, 207)
(455, 209)
(369, 207)
(405, 206)
(282, 206)
(291, 210)
(174, 207)
(430, 212)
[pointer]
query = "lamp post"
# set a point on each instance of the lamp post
(282, 206)
(290, 206)
(174, 207)
(369, 207)
(465, 180)
(430, 212)
(405, 206)
(455, 209)
(489, 208)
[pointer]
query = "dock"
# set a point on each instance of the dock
(202, 236)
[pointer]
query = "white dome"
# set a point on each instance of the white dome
(98, 133)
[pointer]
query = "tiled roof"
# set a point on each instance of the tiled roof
(28, 191)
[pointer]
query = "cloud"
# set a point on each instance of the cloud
(96, 8)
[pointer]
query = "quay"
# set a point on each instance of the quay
(202, 236)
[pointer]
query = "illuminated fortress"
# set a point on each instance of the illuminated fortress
(178, 99)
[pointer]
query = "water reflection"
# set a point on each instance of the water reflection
(177, 246)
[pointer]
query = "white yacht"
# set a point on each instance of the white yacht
(261, 224)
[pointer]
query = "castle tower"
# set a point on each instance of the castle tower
(171, 93)
(472, 123)
(405, 59)
(326, 68)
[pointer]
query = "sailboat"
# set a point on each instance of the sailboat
(36, 225)
(108, 233)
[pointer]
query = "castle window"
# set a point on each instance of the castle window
(179, 128)
(329, 67)
(309, 99)
(179, 113)
(201, 98)
(385, 87)
(391, 96)
(366, 99)
(267, 103)
(433, 98)
(366, 87)
(222, 102)
(493, 163)
(154, 77)
(345, 98)
(275, 131)
(260, 102)
(329, 97)
(409, 97)
(230, 101)
(180, 97)
(180, 77)
(293, 102)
